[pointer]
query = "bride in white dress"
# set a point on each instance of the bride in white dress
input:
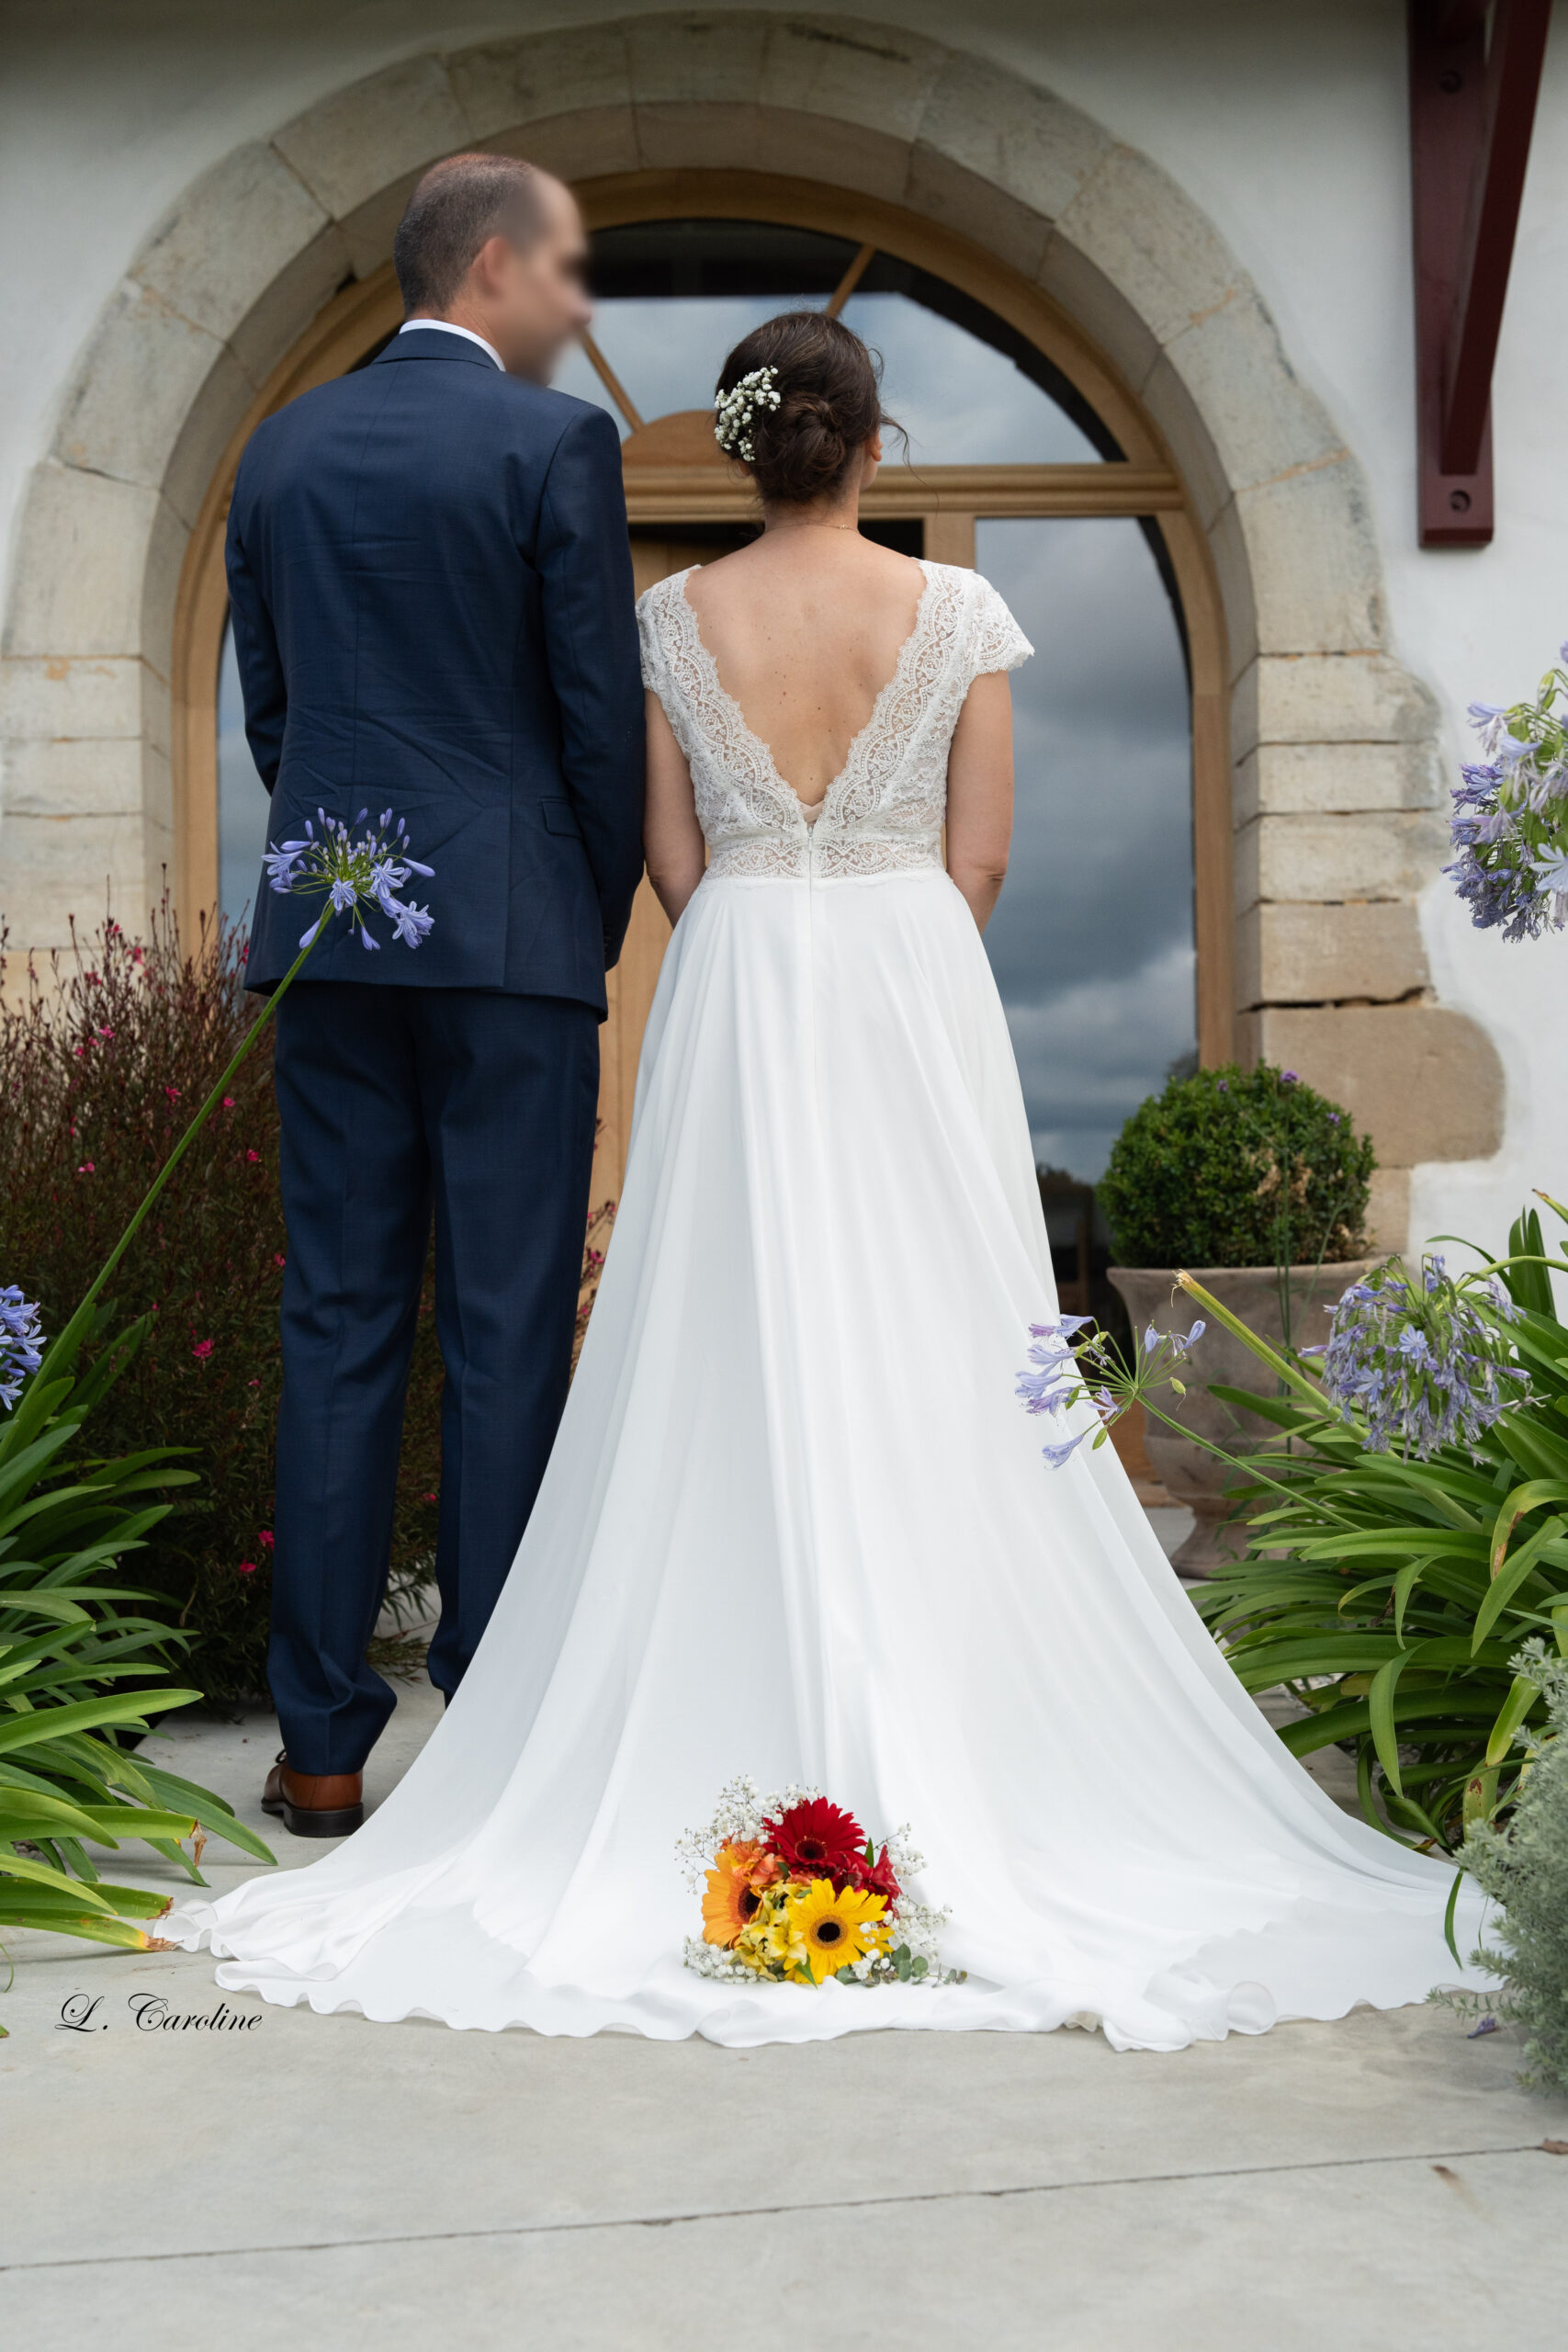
(796, 1525)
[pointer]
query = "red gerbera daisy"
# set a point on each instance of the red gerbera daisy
(817, 1840)
(876, 1877)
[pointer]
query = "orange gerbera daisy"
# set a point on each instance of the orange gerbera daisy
(731, 1898)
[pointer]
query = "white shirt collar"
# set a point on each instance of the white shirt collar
(446, 327)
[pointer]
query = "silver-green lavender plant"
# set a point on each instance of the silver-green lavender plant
(1523, 1866)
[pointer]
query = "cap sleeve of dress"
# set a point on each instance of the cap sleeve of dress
(996, 640)
(655, 670)
(661, 612)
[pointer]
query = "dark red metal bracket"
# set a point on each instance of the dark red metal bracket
(1471, 109)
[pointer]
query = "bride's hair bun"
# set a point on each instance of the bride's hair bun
(798, 400)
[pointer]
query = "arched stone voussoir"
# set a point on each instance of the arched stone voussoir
(193, 260)
(1313, 557)
(1027, 145)
(1150, 241)
(847, 70)
(696, 57)
(504, 86)
(348, 149)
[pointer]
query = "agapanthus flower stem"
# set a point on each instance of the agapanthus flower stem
(1304, 1382)
(1250, 1470)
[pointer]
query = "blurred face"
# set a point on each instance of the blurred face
(531, 299)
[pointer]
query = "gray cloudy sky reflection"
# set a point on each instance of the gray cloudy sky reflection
(1092, 942)
(960, 402)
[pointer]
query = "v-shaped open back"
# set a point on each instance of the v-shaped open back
(812, 809)
(884, 811)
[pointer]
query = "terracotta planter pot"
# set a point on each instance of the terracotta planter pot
(1254, 1293)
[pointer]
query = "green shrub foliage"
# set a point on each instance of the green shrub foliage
(1237, 1168)
(101, 1063)
(1524, 1868)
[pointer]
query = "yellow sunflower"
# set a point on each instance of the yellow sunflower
(833, 1929)
(730, 1901)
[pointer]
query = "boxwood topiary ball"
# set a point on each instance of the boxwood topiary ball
(1237, 1168)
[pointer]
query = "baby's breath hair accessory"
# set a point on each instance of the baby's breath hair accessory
(735, 409)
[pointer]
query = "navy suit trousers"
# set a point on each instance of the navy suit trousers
(395, 1101)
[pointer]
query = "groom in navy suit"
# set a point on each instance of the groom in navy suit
(433, 613)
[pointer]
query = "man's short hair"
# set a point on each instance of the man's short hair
(457, 207)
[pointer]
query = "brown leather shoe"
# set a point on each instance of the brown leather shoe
(314, 1805)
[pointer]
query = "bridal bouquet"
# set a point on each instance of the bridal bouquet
(795, 1892)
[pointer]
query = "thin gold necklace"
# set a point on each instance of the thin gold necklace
(810, 526)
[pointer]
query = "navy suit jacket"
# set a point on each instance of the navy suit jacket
(432, 596)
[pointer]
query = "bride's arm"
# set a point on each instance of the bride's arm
(671, 837)
(979, 794)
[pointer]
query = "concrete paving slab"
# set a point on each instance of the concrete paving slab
(1360, 2256)
(514, 2130)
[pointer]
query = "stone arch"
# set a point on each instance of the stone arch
(1332, 745)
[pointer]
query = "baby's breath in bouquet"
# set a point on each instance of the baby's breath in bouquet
(795, 1892)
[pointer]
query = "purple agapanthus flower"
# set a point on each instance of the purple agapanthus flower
(1509, 824)
(1053, 1379)
(1066, 1372)
(358, 874)
(21, 1343)
(1422, 1363)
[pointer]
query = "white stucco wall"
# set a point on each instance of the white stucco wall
(1287, 126)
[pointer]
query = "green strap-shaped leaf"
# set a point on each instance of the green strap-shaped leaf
(1434, 1705)
(1518, 1504)
(1539, 1452)
(1522, 1696)
(25, 1909)
(1380, 1715)
(21, 1866)
(1449, 1917)
(40, 1813)
(60, 1606)
(216, 1818)
(1405, 1584)
(25, 1466)
(1518, 1570)
(113, 1822)
(83, 1714)
(40, 1400)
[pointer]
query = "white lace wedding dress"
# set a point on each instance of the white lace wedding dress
(797, 1526)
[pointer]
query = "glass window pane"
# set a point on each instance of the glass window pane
(961, 401)
(242, 802)
(668, 352)
(673, 297)
(1092, 942)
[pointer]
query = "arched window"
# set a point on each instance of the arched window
(1010, 467)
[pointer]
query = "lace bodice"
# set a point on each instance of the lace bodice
(884, 811)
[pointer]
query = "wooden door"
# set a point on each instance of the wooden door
(635, 978)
